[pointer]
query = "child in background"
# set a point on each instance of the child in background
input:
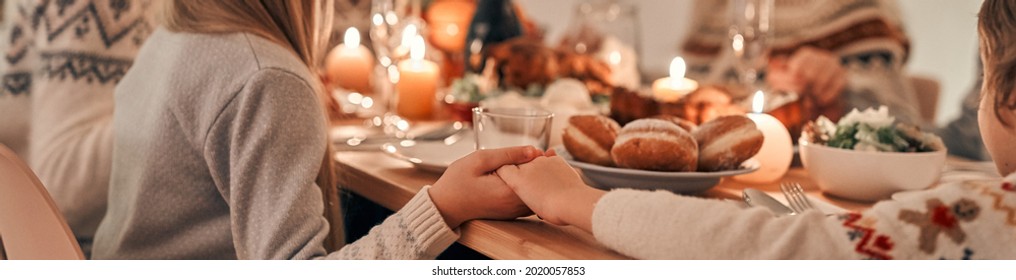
(968, 220)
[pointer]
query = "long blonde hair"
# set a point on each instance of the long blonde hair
(302, 26)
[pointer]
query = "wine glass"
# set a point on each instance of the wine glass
(750, 31)
(387, 23)
(609, 31)
(394, 26)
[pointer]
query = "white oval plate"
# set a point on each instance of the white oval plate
(433, 156)
(603, 177)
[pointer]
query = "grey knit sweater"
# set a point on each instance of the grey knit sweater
(218, 140)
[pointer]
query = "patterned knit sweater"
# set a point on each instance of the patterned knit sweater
(219, 139)
(866, 34)
(62, 60)
(962, 220)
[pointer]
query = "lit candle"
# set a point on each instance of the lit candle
(349, 65)
(448, 21)
(777, 149)
(409, 33)
(672, 88)
(417, 87)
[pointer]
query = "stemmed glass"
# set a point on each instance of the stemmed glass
(750, 31)
(608, 30)
(393, 24)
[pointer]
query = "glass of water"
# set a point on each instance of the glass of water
(510, 127)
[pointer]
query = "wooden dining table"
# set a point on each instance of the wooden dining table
(392, 182)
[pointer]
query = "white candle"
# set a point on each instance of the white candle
(350, 64)
(777, 149)
(417, 87)
(672, 88)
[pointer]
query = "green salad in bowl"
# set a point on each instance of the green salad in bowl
(867, 156)
(871, 130)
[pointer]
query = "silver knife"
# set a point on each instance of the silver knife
(754, 197)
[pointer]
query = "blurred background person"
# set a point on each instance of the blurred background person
(836, 55)
(62, 60)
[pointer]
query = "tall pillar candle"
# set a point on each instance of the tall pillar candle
(417, 86)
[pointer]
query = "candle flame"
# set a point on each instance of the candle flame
(352, 38)
(417, 48)
(737, 43)
(758, 102)
(677, 70)
(614, 58)
(408, 34)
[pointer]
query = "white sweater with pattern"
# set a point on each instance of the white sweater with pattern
(966, 220)
(62, 60)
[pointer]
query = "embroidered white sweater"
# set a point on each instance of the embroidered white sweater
(62, 61)
(219, 139)
(968, 220)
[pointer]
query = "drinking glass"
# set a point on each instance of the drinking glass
(508, 127)
(750, 30)
(609, 31)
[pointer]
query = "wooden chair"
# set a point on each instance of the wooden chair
(31, 226)
(928, 91)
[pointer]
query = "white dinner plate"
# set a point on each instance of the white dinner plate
(433, 156)
(603, 177)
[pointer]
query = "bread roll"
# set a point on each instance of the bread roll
(589, 138)
(653, 144)
(726, 142)
(683, 123)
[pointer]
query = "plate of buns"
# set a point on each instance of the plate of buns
(661, 152)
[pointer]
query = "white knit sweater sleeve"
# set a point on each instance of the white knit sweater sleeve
(415, 232)
(661, 225)
(265, 150)
(958, 221)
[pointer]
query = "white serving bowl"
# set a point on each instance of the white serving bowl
(869, 176)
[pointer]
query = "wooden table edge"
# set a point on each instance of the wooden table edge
(484, 236)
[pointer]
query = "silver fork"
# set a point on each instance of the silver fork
(796, 197)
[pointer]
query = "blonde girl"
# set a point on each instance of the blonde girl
(220, 148)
